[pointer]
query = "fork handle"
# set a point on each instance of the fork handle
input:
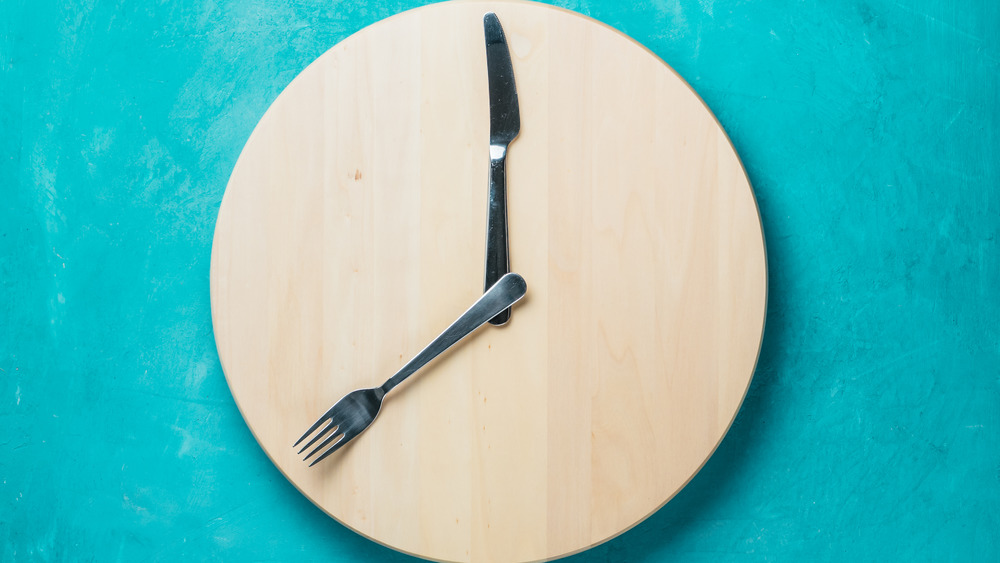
(507, 291)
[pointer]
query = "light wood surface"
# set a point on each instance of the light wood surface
(352, 232)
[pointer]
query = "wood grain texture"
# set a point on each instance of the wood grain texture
(352, 232)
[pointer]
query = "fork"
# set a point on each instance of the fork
(355, 412)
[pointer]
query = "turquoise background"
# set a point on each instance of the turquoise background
(869, 130)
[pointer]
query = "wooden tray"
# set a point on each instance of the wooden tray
(353, 230)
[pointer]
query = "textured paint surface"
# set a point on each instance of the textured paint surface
(871, 132)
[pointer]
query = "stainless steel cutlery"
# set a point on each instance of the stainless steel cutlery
(505, 123)
(355, 412)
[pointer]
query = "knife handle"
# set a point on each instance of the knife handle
(497, 262)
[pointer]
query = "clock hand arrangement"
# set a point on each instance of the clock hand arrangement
(355, 412)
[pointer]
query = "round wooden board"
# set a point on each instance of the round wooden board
(353, 230)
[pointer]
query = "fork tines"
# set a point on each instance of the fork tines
(335, 437)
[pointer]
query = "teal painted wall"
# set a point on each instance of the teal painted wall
(870, 130)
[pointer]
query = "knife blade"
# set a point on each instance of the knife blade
(505, 124)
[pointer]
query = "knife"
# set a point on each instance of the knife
(505, 123)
